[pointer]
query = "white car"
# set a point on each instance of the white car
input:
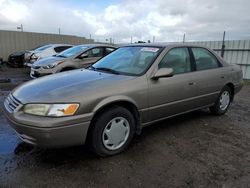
(44, 51)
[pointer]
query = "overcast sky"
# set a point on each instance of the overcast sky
(167, 20)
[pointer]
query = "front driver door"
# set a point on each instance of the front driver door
(173, 95)
(89, 57)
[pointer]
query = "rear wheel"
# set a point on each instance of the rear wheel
(113, 131)
(223, 102)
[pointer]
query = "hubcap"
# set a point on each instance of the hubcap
(224, 100)
(116, 133)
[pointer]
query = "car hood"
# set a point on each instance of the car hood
(48, 60)
(70, 86)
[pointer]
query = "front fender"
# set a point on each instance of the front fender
(114, 99)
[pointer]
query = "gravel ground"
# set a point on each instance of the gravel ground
(192, 150)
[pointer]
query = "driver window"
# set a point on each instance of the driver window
(178, 59)
(95, 52)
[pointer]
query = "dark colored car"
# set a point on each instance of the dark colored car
(17, 59)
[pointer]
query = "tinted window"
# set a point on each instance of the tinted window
(95, 52)
(61, 48)
(178, 59)
(204, 59)
(109, 50)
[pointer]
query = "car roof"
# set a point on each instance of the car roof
(173, 45)
(55, 45)
(97, 45)
(163, 45)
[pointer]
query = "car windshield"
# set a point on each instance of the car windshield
(133, 60)
(42, 48)
(72, 51)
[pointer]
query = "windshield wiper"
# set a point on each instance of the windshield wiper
(60, 56)
(92, 67)
(106, 69)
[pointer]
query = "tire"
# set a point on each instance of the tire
(114, 120)
(220, 107)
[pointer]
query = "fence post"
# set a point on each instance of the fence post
(223, 45)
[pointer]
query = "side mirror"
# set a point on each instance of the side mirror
(84, 55)
(163, 72)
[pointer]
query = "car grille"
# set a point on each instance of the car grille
(35, 74)
(12, 104)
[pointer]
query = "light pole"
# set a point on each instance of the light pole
(184, 38)
(223, 44)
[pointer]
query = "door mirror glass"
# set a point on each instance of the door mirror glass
(163, 72)
(84, 55)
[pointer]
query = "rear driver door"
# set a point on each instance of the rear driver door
(210, 76)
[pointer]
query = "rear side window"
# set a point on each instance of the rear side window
(178, 59)
(61, 48)
(204, 59)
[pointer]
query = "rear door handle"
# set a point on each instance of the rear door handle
(191, 83)
(222, 77)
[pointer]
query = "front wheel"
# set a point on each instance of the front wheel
(223, 102)
(113, 131)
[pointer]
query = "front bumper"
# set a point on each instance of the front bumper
(52, 137)
(68, 134)
(36, 73)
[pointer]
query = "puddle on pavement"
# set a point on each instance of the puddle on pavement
(8, 138)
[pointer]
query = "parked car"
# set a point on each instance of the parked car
(16, 59)
(115, 98)
(27, 57)
(80, 56)
(44, 51)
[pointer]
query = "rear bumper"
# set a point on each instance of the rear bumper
(28, 64)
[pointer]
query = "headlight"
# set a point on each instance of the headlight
(52, 110)
(34, 56)
(49, 66)
(52, 65)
